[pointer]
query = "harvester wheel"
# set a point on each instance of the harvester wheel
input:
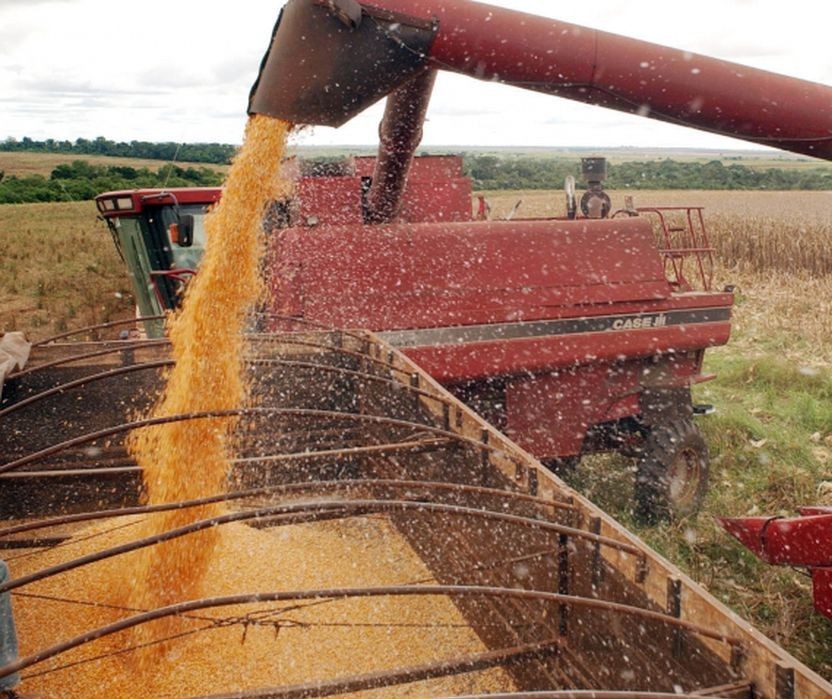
(672, 475)
(563, 467)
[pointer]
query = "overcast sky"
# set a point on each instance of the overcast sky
(181, 70)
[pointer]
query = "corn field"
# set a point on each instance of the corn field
(752, 231)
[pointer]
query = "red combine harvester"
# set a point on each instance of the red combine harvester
(572, 335)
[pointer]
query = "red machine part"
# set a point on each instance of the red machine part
(400, 39)
(122, 203)
(617, 72)
(799, 541)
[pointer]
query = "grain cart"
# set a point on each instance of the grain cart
(572, 335)
(376, 534)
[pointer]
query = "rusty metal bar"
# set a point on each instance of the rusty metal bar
(411, 387)
(71, 473)
(390, 678)
(322, 507)
(164, 342)
(169, 362)
(312, 324)
(273, 489)
(276, 339)
(674, 608)
(580, 694)
(347, 452)
(563, 581)
(239, 412)
(597, 561)
(354, 593)
(33, 543)
(335, 454)
(85, 380)
(100, 326)
(88, 355)
(725, 689)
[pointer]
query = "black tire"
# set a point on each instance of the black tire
(563, 467)
(672, 474)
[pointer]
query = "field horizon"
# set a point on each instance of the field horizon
(27, 163)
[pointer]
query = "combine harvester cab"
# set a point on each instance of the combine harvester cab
(159, 235)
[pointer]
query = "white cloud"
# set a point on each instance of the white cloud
(182, 70)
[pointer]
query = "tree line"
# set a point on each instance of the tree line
(213, 153)
(491, 172)
(80, 181)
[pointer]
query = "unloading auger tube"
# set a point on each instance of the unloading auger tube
(331, 59)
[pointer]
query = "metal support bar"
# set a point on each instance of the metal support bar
(46, 542)
(642, 568)
(322, 507)
(674, 608)
(236, 413)
(784, 682)
(350, 593)
(485, 456)
(391, 678)
(595, 528)
(563, 581)
(100, 326)
(534, 485)
(283, 488)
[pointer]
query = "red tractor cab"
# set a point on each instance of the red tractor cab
(160, 236)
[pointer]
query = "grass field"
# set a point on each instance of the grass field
(771, 439)
(26, 164)
(59, 269)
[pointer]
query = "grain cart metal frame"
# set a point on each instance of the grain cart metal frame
(345, 426)
(573, 336)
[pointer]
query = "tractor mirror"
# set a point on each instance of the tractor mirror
(186, 231)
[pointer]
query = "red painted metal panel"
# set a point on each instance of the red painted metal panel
(433, 201)
(470, 274)
(473, 361)
(797, 541)
(822, 584)
(449, 307)
(152, 197)
(334, 201)
(549, 414)
(425, 167)
(528, 255)
(634, 76)
(351, 276)
(436, 167)
(436, 188)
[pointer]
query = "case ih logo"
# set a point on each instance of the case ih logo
(654, 321)
(502, 332)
